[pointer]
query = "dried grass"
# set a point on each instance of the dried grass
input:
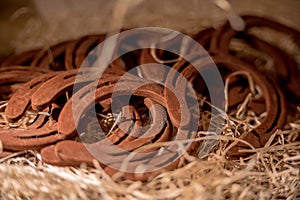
(272, 172)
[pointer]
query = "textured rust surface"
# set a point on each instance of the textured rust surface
(286, 69)
(21, 100)
(154, 114)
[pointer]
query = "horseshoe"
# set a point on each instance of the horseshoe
(151, 72)
(163, 76)
(16, 139)
(51, 89)
(12, 77)
(133, 141)
(52, 58)
(127, 125)
(159, 56)
(62, 151)
(177, 105)
(80, 53)
(21, 99)
(274, 100)
(50, 155)
(38, 134)
(286, 68)
(254, 21)
(203, 37)
(85, 157)
(18, 74)
(66, 123)
(77, 51)
(23, 59)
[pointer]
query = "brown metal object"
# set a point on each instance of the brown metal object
(16, 139)
(54, 87)
(252, 21)
(64, 153)
(70, 149)
(163, 53)
(67, 125)
(275, 103)
(77, 51)
(52, 58)
(18, 74)
(51, 153)
(39, 133)
(151, 72)
(12, 77)
(274, 99)
(170, 115)
(21, 99)
(286, 68)
(83, 53)
(203, 37)
(44, 129)
(24, 59)
(180, 80)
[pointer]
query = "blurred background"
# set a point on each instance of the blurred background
(30, 24)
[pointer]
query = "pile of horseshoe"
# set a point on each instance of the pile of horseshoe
(39, 88)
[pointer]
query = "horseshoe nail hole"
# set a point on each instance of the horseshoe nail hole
(38, 136)
(69, 76)
(35, 84)
(92, 89)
